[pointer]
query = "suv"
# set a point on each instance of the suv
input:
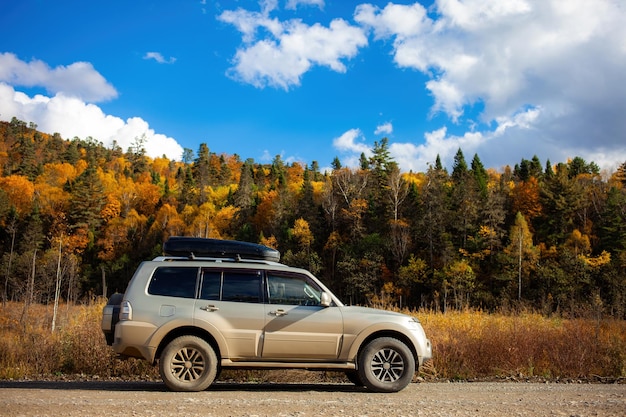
(211, 304)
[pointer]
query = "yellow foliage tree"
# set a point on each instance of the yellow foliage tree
(302, 233)
(57, 174)
(223, 219)
(20, 191)
(167, 222)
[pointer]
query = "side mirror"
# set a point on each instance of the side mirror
(325, 300)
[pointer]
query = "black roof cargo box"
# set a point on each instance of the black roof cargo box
(218, 248)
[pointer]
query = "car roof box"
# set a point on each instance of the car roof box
(218, 248)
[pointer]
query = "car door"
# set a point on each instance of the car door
(297, 326)
(231, 302)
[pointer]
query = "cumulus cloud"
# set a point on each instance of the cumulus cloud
(351, 144)
(69, 110)
(72, 117)
(79, 79)
(488, 144)
(561, 62)
(384, 129)
(158, 57)
(278, 54)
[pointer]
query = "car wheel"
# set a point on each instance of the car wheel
(386, 365)
(188, 363)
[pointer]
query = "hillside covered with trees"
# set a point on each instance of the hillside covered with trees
(76, 218)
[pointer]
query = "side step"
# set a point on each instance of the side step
(311, 366)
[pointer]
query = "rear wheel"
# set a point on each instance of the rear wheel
(188, 363)
(386, 365)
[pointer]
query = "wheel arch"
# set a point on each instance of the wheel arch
(188, 331)
(385, 333)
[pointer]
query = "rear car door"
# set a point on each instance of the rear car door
(297, 326)
(231, 302)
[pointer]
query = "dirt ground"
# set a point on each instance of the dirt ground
(94, 398)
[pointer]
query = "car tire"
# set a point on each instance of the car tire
(188, 363)
(386, 365)
(115, 301)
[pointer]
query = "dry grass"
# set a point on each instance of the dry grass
(473, 344)
(466, 345)
(29, 348)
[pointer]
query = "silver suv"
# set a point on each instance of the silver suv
(212, 304)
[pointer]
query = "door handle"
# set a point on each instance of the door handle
(279, 313)
(209, 307)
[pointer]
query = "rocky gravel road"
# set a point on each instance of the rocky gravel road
(92, 398)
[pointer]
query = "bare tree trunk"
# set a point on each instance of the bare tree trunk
(57, 290)
(104, 282)
(13, 229)
(30, 290)
(519, 272)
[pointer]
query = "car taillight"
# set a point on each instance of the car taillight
(126, 311)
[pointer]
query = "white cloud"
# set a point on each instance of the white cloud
(68, 111)
(249, 23)
(79, 79)
(473, 14)
(509, 140)
(347, 142)
(285, 51)
(351, 145)
(72, 117)
(394, 20)
(158, 57)
(384, 129)
(549, 74)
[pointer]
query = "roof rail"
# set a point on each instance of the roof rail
(216, 260)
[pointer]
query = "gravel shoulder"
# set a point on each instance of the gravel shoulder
(109, 398)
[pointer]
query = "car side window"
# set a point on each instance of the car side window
(291, 289)
(211, 285)
(174, 282)
(241, 286)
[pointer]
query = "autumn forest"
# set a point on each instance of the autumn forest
(76, 218)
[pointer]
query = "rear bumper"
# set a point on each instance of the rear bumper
(132, 339)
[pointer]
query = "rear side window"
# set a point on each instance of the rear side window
(174, 282)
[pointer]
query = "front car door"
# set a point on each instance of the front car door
(297, 326)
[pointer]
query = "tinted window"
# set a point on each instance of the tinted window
(174, 282)
(211, 283)
(242, 286)
(292, 290)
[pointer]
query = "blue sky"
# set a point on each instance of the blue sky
(310, 80)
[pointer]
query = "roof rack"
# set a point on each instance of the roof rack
(192, 247)
(168, 258)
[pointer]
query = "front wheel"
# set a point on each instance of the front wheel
(386, 365)
(188, 363)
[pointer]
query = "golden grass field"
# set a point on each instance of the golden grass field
(467, 345)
